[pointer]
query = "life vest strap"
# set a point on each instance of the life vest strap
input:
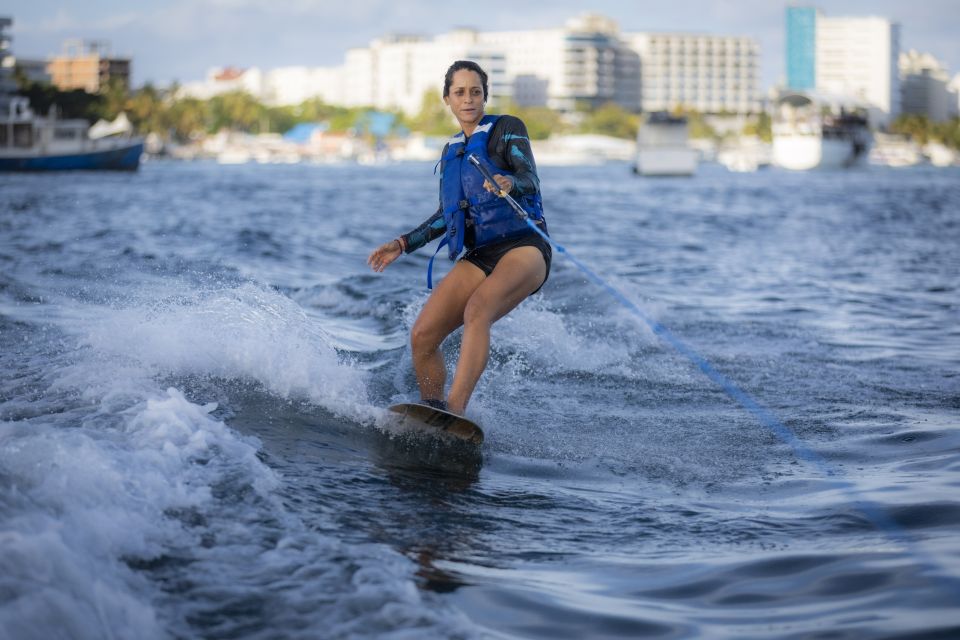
(443, 243)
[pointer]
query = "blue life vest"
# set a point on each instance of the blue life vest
(464, 201)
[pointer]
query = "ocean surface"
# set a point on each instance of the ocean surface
(194, 362)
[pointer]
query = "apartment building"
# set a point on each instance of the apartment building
(854, 60)
(396, 71)
(585, 63)
(709, 73)
(857, 59)
(802, 48)
(293, 85)
(925, 87)
(87, 65)
(8, 84)
(223, 80)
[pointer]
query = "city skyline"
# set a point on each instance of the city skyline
(179, 40)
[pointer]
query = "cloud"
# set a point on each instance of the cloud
(63, 21)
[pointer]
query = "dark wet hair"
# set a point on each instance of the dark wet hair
(460, 65)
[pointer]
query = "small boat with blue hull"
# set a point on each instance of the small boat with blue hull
(32, 143)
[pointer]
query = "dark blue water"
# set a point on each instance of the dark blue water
(195, 360)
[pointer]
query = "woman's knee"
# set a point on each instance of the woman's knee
(424, 337)
(477, 312)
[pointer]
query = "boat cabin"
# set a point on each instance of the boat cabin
(21, 129)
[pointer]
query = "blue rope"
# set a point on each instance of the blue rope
(873, 511)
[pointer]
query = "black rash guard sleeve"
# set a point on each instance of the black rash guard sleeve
(430, 229)
(509, 148)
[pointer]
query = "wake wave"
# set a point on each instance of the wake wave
(246, 332)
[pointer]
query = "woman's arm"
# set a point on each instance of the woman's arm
(509, 148)
(382, 256)
(431, 228)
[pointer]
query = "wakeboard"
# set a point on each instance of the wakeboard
(422, 415)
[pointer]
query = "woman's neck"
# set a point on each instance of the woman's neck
(470, 127)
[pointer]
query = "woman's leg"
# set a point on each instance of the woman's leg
(440, 316)
(518, 274)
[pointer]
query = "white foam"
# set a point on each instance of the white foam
(127, 473)
(547, 342)
(81, 500)
(244, 332)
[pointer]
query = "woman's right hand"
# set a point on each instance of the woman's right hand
(384, 255)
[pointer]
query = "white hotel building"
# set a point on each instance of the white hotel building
(711, 74)
(588, 62)
(845, 61)
(925, 87)
(857, 60)
(584, 63)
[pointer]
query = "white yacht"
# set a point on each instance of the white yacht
(663, 147)
(808, 135)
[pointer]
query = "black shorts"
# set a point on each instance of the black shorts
(487, 256)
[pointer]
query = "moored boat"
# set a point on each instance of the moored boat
(29, 142)
(807, 136)
(663, 147)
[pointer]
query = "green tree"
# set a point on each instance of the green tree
(186, 118)
(917, 127)
(235, 110)
(282, 118)
(949, 133)
(541, 122)
(340, 119)
(760, 126)
(316, 110)
(434, 118)
(922, 130)
(611, 120)
(70, 104)
(115, 98)
(345, 119)
(147, 111)
(698, 126)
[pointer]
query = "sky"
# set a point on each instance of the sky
(179, 40)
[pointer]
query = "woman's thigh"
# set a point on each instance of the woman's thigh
(518, 274)
(442, 314)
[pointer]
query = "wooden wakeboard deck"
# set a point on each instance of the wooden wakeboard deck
(451, 423)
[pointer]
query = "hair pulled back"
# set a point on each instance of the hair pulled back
(460, 65)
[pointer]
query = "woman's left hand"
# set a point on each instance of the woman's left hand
(384, 255)
(504, 184)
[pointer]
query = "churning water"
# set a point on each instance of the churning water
(195, 359)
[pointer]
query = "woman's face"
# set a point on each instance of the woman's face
(466, 97)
